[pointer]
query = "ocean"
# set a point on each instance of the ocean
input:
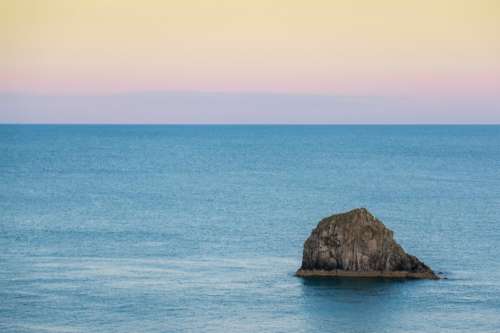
(200, 228)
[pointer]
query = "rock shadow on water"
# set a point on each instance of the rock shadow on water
(353, 304)
(361, 286)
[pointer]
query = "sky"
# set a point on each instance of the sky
(441, 54)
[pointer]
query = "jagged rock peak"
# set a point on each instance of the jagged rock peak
(357, 244)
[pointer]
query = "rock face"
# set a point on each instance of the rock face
(356, 244)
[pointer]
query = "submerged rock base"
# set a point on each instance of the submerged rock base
(356, 244)
(368, 274)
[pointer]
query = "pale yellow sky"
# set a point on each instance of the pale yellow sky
(338, 47)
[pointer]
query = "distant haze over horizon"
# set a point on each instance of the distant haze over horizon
(283, 61)
(241, 108)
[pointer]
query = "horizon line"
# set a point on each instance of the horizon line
(248, 124)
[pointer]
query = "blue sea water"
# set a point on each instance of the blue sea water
(200, 228)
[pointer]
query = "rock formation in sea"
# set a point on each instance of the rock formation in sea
(357, 244)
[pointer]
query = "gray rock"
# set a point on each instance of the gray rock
(356, 244)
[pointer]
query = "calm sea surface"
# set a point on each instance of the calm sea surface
(200, 228)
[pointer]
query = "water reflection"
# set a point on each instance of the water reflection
(345, 303)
